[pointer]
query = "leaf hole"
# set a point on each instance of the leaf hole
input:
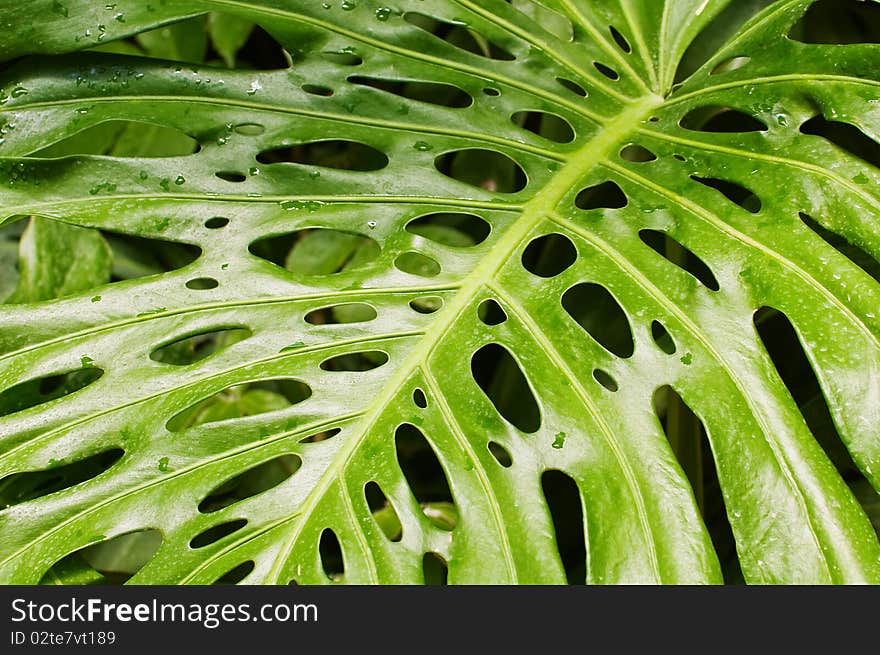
(249, 129)
(549, 255)
(202, 284)
(383, 512)
(426, 304)
(419, 398)
(122, 138)
(353, 312)
(549, 126)
(620, 40)
(687, 438)
(458, 230)
(435, 570)
(572, 86)
(607, 195)
(216, 222)
(108, 561)
(216, 533)
(317, 90)
(423, 472)
(136, 257)
(415, 263)
(636, 153)
(356, 362)
(44, 389)
(846, 137)
(733, 191)
(21, 487)
(854, 253)
(236, 574)
(255, 480)
(730, 64)
(318, 437)
(240, 401)
(196, 347)
(500, 453)
(563, 498)
(317, 251)
(838, 22)
(719, 119)
(500, 377)
(597, 311)
(491, 313)
(343, 58)
(605, 379)
(231, 176)
(339, 154)
(675, 253)
(484, 169)
(662, 338)
(491, 92)
(458, 36)
(607, 71)
(435, 93)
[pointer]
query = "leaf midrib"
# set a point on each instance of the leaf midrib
(534, 211)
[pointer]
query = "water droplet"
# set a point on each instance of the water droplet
(383, 13)
(308, 205)
(253, 170)
(143, 175)
(179, 180)
(315, 175)
(347, 5)
(559, 440)
(96, 298)
(255, 86)
(19, 91)
(372, 224)
(163, 464)
(421, 146)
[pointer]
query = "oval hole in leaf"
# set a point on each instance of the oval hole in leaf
(605, 380)
(566, 511)
(122, 138)
(599, 313)
(662, 338)
(426, 304)
(37, 391)
(500, 454)
(458, 36)
(500, 377)
(253, 481)
(671, 250)
(342, 58)
(20, 487)
(854, 253)
(491, 92)
(435, 570)
(383, 511)
(421, 467)
(435, 93)
(607, 195)
(715, 118)
(549, 255)
(356, 362)
(317, 90)
(415, 263)
(236, 574)
(109, 561)
(332, 559)
(733, 191)
(193, 348)
(636, 153)
(202, 284)
(838, 22)
(240, 401)
(340, 154)
(458, 230)
(546, 125)
(323, 435)
(607, 71)
(730, 64)
(135, 257)
(845, 136)
(620, 40)
(231, 176)
(491, 313)
(352, 312)
(574, 87)
(484, 169)
(216, 533)
(216, 223)
(419, 398)
(317, 251)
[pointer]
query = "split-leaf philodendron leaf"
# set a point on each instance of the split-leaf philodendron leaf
(531, 252)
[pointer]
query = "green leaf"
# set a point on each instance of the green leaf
(57, 260)
(570, 381)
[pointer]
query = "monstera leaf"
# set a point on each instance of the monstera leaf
(468, 291)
